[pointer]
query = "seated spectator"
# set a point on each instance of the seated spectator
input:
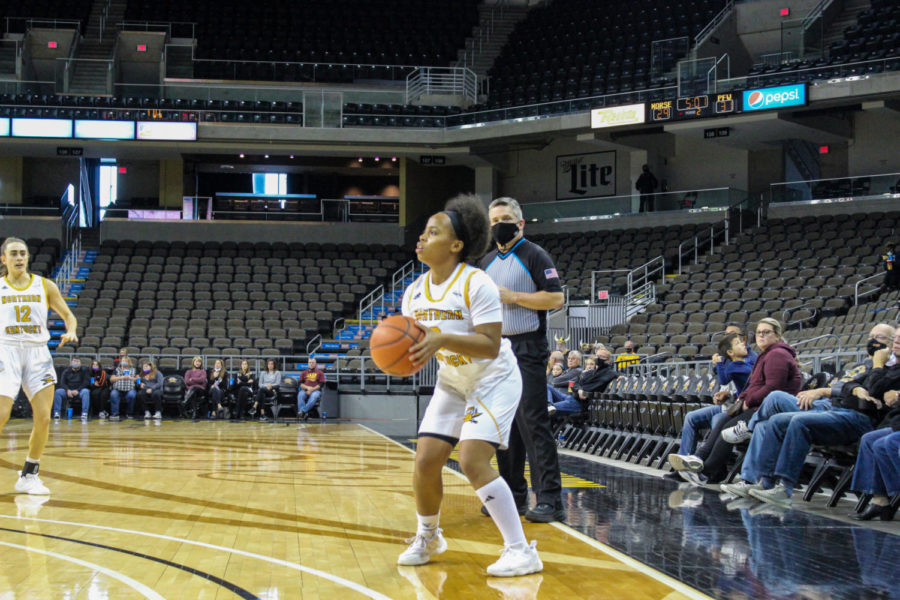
(628, 357)
(243, 388)
(565, 381)
(195, 379)
(556, 371)
(556, 358)
(123, 382)
(775, 370)
(312, 382)
(787, 425)
(149, 389)
(123, 353)
(879, 338)
(733, 368)
(269, 380)
(597, 374)
(74, 383)
(99, 388)
(877, 470)
(218, 390)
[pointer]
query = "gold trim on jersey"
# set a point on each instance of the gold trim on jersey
(466, 289)
(480, 403)
(427, 286)
(28, 285)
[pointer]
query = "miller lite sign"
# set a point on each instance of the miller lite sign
(586, 175)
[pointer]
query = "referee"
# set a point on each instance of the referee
(529, 287)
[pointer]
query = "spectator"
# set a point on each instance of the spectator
(195, 380)
(123, 381)
(218, 389)
(269, 380)
(243, 387)
(150, 390)
(734, 350)
(598, 347)
(123, 353)
(628, 357)
(562, 345)
(556, 371)
(597, 374)
(556, 357)
(891, 269)
(74, 383)
(567, 379)
(877, 469)
(775, 370)
(312, 382)
(786, 426)
(646, 184)
(99, 388)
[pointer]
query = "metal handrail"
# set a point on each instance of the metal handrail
(31, 21)
(369, 301)
(820, 337)
(856, 294)
(309, 344)
(785, 314)
(711, 26)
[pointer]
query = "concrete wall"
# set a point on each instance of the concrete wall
(423, 190)
(725, 40)
(49, 176)
(31, 227)
(700, 163)
(874, 149)
(335, 233)
(11, 179)
(140, 180)
(759, 23)
(171, 183)
(390, 414)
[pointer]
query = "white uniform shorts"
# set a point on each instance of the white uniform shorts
(484, 412)
(28, 366)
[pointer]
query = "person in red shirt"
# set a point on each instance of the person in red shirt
(312, 382)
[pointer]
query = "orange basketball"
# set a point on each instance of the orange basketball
(390, 343)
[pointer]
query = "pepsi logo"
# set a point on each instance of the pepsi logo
(756, 99)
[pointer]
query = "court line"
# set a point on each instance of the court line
(231, 587)
(137, 585)
(608, 550)
(298, 567)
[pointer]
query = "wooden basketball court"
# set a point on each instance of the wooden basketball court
(246, 510)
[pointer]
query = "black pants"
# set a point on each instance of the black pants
(646, 203)
(196, 401)
(243, 400)
(892, 279)
(100, 399)
(531, 435)
(715, 451)
(144, 399)
(264, 397)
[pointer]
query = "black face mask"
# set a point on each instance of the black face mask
(602, 364)
(503, 233)
(874, 346)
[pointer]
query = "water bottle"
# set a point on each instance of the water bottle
(561, 440)
(324, 416)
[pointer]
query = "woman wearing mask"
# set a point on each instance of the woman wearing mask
(218, 387)
(150, 390)
(244, 384)
(99, 388)
(195, 385)
(123, 382)
(269, 380)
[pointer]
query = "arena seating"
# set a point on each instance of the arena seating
(751, 278)
(582, 48)
(577, 254)
(341, 33)
(19, 11)
(45, 253)
(223, 299)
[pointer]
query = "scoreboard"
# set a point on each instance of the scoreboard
(693, 107)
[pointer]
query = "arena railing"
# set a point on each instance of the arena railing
(605, 207)
(690, 250)
(172, 29)
(857, 295)
(23, 24)
(446, 81)
(830, 73)
(885, 185)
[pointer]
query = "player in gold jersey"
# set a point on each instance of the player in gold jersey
(25, 361)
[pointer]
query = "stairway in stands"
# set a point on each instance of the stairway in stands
(70, 291)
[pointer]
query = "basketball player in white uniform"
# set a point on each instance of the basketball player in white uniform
(25, 361)
(478, 388)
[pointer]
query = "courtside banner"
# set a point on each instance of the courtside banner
(776, 97)
(631, 114)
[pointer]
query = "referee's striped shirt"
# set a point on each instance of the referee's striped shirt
(525, 268)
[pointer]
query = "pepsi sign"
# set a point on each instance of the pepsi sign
(776, 97)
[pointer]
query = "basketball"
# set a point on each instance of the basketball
(390, 345)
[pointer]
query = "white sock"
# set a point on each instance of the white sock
(32, 460)
(428, 524)
(498, 499)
